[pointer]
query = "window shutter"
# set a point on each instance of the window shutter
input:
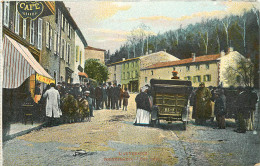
(55, 42)
(24, 28)
(209, 77)
(6, 13)
(204, 78)
(31, 32)
(40, 33)
(80, 56)
(50, 38)
(17, 20)
(47, 34)
(194, 79)
(77, 53)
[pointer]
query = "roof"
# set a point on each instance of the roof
(141, 57)
(82, 38)
(93, 48)
(66, 13)
(123, 61)
(203, 58)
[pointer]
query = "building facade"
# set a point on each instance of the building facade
(95, 53)
(79, 60)
(209, 69)
(130, 69)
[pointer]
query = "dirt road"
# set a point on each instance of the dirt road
(112, 139)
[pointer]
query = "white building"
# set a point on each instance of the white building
(80, 44)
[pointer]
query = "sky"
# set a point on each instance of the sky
(106, 24)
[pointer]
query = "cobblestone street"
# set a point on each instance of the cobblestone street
(112, 139)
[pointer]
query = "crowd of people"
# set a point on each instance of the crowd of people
(208, 103)
(238, 103)
(75, 102)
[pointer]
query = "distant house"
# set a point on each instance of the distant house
(95, 53)
(208, 68)
(127, 72)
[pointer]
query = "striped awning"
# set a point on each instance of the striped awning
(83, 74)
(19, 64)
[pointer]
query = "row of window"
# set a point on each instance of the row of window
(131, 64)
(197, 67)
(36, 28)
(128, 75)
(206, 78)
(24, 25)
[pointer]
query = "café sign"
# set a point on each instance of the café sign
(30, 9)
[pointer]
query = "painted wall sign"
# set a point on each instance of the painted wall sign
(30, 9)
(44, 79)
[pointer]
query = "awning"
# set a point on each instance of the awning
(83, 74)
(19, 64)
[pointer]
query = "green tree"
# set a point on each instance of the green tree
(96, 70)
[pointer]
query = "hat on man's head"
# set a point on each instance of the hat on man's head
(202, 83)
(87, 92)
(144, 88)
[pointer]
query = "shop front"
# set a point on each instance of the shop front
(21, 72)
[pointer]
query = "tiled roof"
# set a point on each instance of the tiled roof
(185, 61)
(93, 48)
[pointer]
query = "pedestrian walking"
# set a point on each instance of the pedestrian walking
(120, 96)
(220, 108)
(203, 104)
(92, 93)
(53, 111)
(143, 108)
(89, 99)
(98, 95)
(104, 97)
(115, 96)
(126, 96)
(109, 95)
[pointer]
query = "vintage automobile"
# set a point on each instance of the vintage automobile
(172, 97)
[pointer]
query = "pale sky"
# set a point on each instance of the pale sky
(106, 24)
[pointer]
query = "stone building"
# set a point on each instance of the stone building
(208, 68)
(95, 53)
(130, 69)
(65, 41)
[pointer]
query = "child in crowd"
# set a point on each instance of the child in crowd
(125, 99)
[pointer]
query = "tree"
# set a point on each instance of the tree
(96, 70)
(242, 74)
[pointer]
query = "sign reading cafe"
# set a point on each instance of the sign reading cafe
(30, 9)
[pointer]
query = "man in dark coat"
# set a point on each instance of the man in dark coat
(104, 96)
(203, 104)
(243, 112)
(220, 108)
(109, 95)
(92, 93)
(98, 95)
(121, 95)
(115, 96)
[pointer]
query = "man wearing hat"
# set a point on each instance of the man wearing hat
(89, 99)
(104, 96)
(203, 104)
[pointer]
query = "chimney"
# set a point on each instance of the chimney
(123, 59)
(150, 51)
(193, 56)
(230, 49)
(222, 53)
(68, 8)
